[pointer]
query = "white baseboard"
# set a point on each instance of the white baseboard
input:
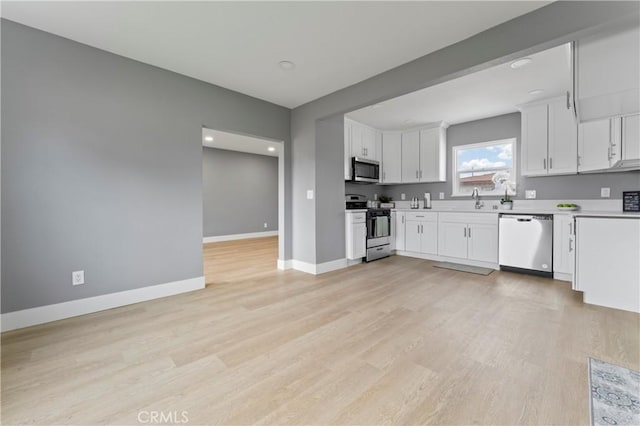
(285, 264)
(232, 237)
(319, 268)
(562, 276)
(73, 308)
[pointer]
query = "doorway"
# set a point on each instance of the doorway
(243, 189)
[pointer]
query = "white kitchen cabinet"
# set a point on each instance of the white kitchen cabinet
(347, 150)
(400, 232)
(482, 242)
(468, 236)
(411, 157)
(549, 138)
(563, 246)
(433, 149)
(452, 239)
(391, 157)
(631, 137)
(534, 121)
(606, 269)
(421, 232)
(599, 144)
(364, 141)
(356, 235)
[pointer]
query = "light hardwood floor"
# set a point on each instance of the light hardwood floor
(395, 341)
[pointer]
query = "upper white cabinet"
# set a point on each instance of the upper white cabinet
(411, 157)
(608, 66)
(424, 155)
(631, 137)
(391, 157)
(433, 154)
(364, 141)
(609, 145)
(549, 138)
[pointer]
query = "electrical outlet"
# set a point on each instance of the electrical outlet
(441, 195)
(605, 192)
(77, 277)
(530, 194)
(403, 196)
(375, 197)
(309, 194)
(265, 224)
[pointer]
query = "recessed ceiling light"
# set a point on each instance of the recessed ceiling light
(536, 91)
(521, 63)
(408, 120)
(208, 138)
(286, 65)
(271, 149)
(376, 106)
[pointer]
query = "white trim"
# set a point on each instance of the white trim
(283, 265)
(232, 237)
(562, 276)
(320, 268)
(73, 308)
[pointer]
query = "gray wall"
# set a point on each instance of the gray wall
(240, 192)
(548, 187)
(102, 167)
(541, 29)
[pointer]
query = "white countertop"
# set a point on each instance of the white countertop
(577, 213)
(356, 211)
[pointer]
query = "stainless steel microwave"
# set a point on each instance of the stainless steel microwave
(363, 170)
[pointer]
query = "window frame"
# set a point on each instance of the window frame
(455, 183)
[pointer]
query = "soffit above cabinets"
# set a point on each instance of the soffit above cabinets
(246, 46)
(488, 93)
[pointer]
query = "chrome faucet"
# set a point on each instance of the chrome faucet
(476, 196)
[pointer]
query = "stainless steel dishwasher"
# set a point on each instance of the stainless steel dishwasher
(526, 243)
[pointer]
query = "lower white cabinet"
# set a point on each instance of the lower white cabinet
(421, 232)
(563, 246)
(356, 235)
(398, 234)
(472, 236)
(607, 253)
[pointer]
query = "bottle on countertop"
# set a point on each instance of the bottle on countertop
(414, 203)
(427, 200)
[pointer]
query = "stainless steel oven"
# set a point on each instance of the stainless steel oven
(378, 233)
(365, 170)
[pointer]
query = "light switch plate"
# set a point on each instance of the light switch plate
(309, 194)
(605, 192)
(441, 195)
(530, 194)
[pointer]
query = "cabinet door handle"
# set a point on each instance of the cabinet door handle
(544, 163)
(550, 163)
(465, 232)
(570, 245)
(609, 153)
(568, 101)
(418, 226)
(422, 229)
(570, 228)
(420, 174)
(384, 175)
(469, 232)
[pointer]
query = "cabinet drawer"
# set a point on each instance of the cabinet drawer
(357, 217)
(422, 216)
(490, 218)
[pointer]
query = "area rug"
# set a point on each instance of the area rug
(615, 394)
(464, 268)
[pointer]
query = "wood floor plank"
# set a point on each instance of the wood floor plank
(396, 341)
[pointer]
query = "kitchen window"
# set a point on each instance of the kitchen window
(488, 166)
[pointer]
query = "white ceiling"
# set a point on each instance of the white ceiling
(238, 45)
(487, 93)
(235, 142)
